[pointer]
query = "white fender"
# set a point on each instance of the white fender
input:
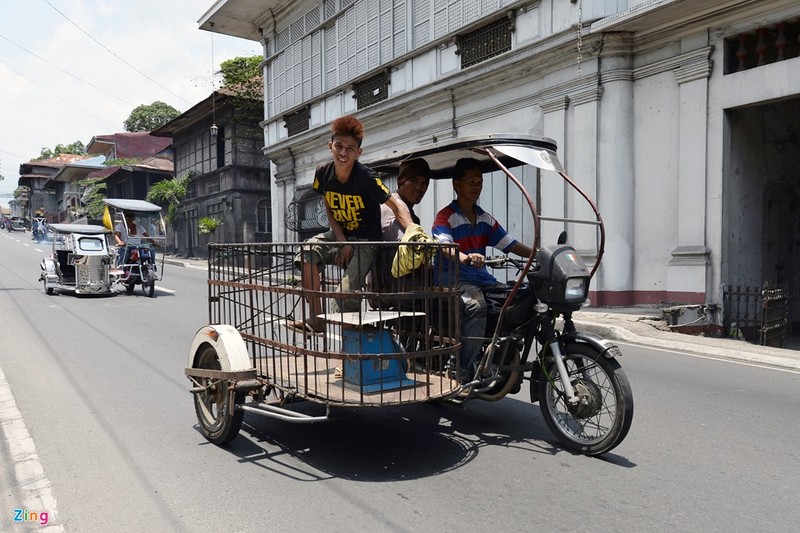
(230, 347)
(48, 274)
(48, 265)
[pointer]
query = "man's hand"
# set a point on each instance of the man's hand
(345, 254)
(475, 260)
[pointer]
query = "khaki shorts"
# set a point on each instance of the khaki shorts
(323, 249)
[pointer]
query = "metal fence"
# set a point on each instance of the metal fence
(757, 314)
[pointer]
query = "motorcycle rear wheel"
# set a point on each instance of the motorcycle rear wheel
(603, 417)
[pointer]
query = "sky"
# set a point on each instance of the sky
(74, 69)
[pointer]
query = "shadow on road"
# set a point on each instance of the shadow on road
(393, 443)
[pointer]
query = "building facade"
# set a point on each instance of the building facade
(229, 174)
(679, 116)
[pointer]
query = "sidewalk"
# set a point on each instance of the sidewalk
(646, 327)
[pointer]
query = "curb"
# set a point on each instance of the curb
(737, 350)
(184, 264)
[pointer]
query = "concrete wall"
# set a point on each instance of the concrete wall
(648, 124)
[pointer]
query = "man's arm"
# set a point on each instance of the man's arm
(521, 249)
(401, 212)
(346, 250)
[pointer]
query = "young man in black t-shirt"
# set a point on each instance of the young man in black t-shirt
(353, 195)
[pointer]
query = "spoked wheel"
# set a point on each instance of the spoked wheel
(213, 405)
(602, 418)
(148, 281)
(507, 378)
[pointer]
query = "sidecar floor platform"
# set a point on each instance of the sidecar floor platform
(321, 379)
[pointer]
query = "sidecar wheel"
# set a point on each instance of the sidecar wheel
(129, 286)
(213, 407)
(603, 417)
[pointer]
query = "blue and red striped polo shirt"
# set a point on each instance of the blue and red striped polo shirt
(451, 225)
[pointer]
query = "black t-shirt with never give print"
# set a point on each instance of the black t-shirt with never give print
(356, 204)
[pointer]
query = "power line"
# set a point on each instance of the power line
(57, 96)
(64, 70)
(114, 54)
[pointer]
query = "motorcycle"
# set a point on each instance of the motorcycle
(584, 395)
(137, 262)
(402, 346)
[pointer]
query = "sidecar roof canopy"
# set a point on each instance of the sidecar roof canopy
(512, 150)
(132, 205)
(83, 229)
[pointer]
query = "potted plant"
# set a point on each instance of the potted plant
(208, 226)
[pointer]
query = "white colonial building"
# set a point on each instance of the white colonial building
(681, 117)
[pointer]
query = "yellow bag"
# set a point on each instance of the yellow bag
(410, 257)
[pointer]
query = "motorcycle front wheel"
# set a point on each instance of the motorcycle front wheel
(602, 417)
(148, 281)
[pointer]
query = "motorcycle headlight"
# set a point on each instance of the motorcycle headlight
(575, 289)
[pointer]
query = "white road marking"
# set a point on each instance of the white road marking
(34, 485)
(164, 289)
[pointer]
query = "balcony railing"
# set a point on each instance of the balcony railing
(763, 46)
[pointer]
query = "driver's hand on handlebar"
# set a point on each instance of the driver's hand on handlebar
(475, 260)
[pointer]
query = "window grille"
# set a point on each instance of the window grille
(372, 91)
(297, 122)
(263, 221)
(330, 9)
(191, 218)
(212, 184)
(191, 190)
(306, 213)
(312, 18)
(485, 43)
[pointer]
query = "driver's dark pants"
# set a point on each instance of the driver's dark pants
(473, 326)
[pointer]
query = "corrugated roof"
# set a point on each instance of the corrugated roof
(128, 144)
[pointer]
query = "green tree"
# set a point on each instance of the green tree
(240, 70)
(95, 193)
(170, 192)
(75, 148)
(150, 117)
(243, 81)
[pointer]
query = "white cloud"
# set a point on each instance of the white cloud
(41, 106)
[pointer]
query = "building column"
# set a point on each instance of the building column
(615, 170)
(551, 198)
(281, 194)
(687, 271)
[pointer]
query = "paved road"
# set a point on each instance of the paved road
(98, 385)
